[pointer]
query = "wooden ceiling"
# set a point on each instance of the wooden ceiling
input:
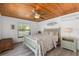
(46, 10)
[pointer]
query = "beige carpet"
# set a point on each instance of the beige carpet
(20, 50)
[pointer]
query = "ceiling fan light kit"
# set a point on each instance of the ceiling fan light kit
(37, 16)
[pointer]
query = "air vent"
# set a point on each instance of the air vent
(52, 23)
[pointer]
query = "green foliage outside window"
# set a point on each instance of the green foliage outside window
(23, 27)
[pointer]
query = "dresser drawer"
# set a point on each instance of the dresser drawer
(68, 45)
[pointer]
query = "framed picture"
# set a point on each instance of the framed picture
(12, 27)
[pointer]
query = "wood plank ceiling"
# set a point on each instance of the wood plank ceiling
(45, 10)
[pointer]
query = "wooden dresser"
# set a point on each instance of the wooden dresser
(6, 44)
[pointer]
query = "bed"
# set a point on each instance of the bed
(41, 43)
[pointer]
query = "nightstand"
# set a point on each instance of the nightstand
(69, 43)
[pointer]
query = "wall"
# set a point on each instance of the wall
(66, 21)
(59, 19)
(6, 27)
(35, 27)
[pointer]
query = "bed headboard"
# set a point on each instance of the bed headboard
(53, 31)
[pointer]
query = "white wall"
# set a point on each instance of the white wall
(35, 27)
(59, 19)
(6, 27)
(66, 21)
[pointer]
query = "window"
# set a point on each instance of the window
(23, 29)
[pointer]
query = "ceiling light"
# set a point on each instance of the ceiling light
(37, 16)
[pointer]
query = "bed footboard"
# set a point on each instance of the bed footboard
(32, 44)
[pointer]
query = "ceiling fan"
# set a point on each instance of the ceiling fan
(38, 11)
(35, 14)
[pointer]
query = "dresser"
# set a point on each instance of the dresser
(6, 44)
